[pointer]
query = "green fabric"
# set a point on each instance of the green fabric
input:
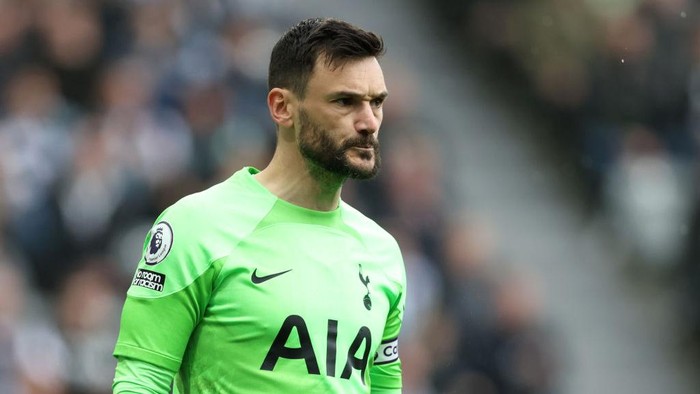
(135, 376)
(194, 306)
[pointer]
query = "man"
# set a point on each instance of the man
(268, 282)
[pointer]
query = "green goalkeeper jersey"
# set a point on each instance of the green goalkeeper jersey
(239, 291)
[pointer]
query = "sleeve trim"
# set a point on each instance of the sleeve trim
(161, 360)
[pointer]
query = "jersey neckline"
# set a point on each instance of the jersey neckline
(248, 173)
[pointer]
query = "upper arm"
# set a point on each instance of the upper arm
(134, 376)
(385, 373)
(168, 294)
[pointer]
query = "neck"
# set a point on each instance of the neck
(301, 183)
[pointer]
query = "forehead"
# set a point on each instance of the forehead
(363, 76)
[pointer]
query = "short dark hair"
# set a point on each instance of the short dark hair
(294, 56)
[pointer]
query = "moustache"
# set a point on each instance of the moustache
(361, 143)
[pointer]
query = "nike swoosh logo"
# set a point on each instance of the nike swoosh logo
(260, 279)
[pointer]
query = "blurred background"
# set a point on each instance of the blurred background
(540, 173)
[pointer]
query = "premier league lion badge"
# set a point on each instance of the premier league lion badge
(160, 243)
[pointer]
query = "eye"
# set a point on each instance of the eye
(343, 101)
(378, 102)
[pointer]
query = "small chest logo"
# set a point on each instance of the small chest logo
(365, 281)
(260, 279)
(160, 244)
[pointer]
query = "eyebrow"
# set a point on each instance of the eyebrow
(347, 93)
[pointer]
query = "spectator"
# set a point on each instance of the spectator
(35, 149)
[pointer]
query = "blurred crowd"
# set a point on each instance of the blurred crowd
(112, 110)
(620, 83)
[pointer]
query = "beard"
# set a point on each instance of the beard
(318, 147)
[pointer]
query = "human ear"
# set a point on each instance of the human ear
(280, 103)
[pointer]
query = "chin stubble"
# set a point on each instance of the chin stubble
(316, 145)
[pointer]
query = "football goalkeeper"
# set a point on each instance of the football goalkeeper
(268, 282)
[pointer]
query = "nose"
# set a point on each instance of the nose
(368, 119)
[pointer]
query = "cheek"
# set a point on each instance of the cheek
(379, 114)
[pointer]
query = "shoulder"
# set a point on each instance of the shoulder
(376, 240)
(193, 213)
(380, 245)
(175, 239)
(232, 203)
(213, 220)
(369, 229)
(194, 232)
